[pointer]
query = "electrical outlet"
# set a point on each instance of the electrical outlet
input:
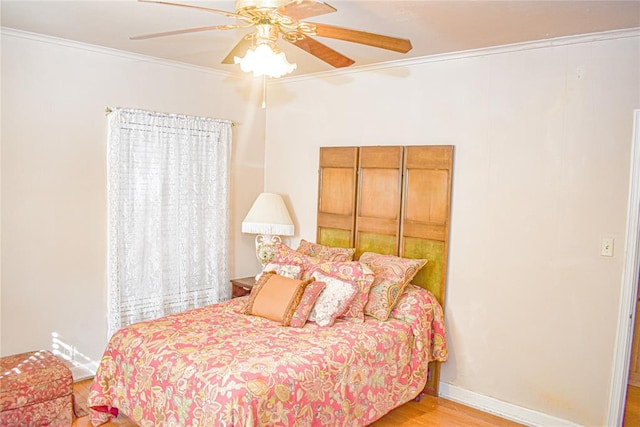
(607, 246)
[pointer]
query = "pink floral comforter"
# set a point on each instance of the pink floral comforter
(215, 367)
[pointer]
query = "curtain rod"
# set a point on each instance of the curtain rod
(109, 110)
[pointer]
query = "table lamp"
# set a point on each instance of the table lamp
(269, 219)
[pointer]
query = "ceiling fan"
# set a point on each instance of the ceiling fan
(284, 18)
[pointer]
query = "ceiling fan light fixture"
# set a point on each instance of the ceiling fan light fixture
(265, 60)
(285, 18)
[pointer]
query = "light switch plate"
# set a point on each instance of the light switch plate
(607, 246)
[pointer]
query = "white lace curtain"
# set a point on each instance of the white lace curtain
(168, 191)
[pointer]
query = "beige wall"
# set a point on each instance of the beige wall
(542, 137)
(54, 176)
(542, 141)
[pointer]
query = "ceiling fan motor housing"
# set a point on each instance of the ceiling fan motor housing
(266, 33)
(259, 4)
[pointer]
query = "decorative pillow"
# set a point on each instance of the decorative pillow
(326, 253)
(351, 273)
(284, 255)
(311, 293)
(333, 301)
(275, 297)
(392, 275)
(286, 270)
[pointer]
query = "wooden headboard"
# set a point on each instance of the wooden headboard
(391, 200)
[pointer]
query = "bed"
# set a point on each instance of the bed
(217, 366)
(224, 365)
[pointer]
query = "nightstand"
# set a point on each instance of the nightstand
(242, 287)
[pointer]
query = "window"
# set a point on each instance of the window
(168, 191)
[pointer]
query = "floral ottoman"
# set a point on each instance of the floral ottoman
(36, 389)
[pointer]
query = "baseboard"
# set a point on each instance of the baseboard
(502, 409)
(82, 372)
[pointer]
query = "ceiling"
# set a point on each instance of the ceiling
(434, 27)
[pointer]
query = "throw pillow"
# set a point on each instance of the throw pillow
(326, 253)
(391, 275)
(275, 297)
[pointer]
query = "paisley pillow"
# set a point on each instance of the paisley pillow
(326, 253)
(311, 293)
(284, 255)
(392, 275)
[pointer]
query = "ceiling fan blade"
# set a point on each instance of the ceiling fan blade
(208, 9)
(323, 52)
(362, 37)
(238, 50)
(185, 31)
(302, 9)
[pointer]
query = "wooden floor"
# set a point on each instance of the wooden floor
(430, 411)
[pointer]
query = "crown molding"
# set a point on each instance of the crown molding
(495, 50)
(72, 44)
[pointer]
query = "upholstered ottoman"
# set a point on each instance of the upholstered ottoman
(36, 389)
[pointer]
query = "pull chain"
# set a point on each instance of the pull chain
(264, 92)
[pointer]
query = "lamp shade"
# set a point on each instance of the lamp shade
(268, 215)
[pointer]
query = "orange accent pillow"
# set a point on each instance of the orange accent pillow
(275, 297)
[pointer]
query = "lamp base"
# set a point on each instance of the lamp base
(265, 247)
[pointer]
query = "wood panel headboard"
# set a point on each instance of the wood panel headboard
(390, 200)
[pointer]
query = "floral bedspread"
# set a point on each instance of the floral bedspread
(215, 366)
